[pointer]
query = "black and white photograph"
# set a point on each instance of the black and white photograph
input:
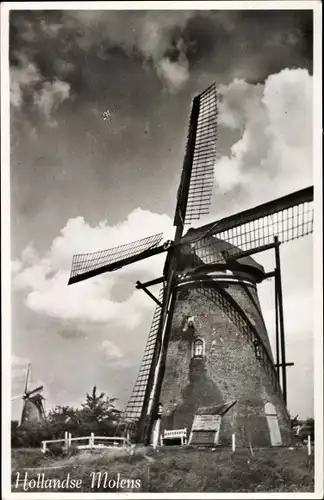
(161, 210)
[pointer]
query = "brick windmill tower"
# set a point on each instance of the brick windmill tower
(208, 354)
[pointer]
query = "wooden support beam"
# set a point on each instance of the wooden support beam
(281, 320)
(277, 365)
(142, 287)
(247, 253)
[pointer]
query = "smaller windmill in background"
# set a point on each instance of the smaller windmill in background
(32, 402)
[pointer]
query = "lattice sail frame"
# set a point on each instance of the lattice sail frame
(196, 185)
(135, 404)
(89, 264)
(202, 174)
(290, 217)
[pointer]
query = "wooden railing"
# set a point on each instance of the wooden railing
(88, 442)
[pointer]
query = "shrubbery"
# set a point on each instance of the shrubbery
(97, 415)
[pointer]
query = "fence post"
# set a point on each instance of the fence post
(91, 440)
(43, 446)
(69, 439)
(233, 442)
(156, 433)
(309, 445)
(66, 442)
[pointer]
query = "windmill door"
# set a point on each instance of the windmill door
(274, 429)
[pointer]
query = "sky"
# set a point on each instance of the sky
(100, 102)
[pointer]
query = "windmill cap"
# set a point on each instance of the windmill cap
(219, 245)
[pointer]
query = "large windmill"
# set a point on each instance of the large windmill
(208, 345)
(32, 402)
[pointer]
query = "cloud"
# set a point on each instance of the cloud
(161, 41)
(111, 350)
(175, 74)
(70, 37)
(273, 122)
(44, 96)
(44, 278)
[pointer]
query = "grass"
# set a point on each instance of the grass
(176, 469)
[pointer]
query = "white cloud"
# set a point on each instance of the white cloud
(49, 98)
(175, 74)
(44, 278)
(111, 350)
(273, 154)
(46, 96)
(153, 35)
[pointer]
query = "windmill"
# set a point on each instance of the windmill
(208, 343)
(32, 402)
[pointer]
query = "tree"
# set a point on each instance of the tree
(98, 408)
(97, 414)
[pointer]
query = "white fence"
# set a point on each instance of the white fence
(88, 442)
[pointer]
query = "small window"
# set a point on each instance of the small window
(198, 348)
(257, 349)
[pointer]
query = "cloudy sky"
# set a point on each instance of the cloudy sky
(82, 181)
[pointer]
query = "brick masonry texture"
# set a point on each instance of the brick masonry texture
(229, 370)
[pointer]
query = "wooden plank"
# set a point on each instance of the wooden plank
(205, 430)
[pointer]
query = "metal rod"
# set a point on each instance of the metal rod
(142, 287)
(281, 322)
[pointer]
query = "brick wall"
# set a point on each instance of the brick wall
(229, 370)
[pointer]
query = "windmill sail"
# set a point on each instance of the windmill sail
(194, 198)
(195, 190)
(135, 404)
(87, 265)
(289, 217)
(27, 378)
